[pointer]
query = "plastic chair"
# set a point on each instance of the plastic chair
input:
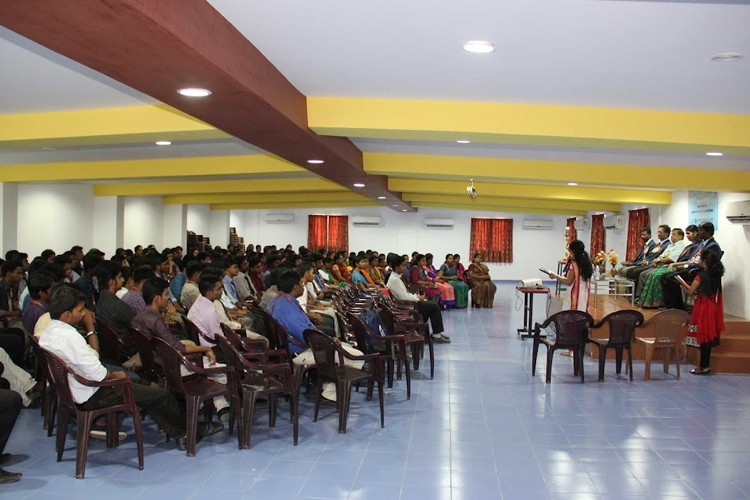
(325, 351)
(396, 325)
(258, 380)
(662, 331)
(572, 331)
(59, 371)
(151, 370)
(111, 344)
(622, 326)
(196, 388)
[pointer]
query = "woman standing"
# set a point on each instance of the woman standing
(482, 288)
(707, 319)
(449, 273)
(577, 279)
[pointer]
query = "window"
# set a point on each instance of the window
(493, 238)
(328, 232)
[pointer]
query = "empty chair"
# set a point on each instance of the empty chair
(329, 360)
(60, 371)
(662, 331)
(571, 332)
(622, 326)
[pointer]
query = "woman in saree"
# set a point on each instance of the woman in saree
(482, 288)
(418, 276)
(449, 273)
(651, 295)
(339, 270)
(446, 291)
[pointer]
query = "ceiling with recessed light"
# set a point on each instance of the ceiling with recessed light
(309, 98)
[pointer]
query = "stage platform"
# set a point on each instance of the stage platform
(732, 356)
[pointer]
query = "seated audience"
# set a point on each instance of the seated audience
(134, 295)
(482, 288)
(449, 273)
(115, 312)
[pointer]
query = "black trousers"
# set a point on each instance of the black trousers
(431, 311)
(706, 354)
(12, 344)
(671, 289)
(159, 403)
(10, 407)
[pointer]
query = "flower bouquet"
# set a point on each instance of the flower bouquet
(613, 259)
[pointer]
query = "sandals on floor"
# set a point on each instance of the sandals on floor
(700, 371)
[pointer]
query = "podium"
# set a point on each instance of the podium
(528, 309)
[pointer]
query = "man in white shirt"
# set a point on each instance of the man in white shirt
(427, 308)
(66, 308)
(670, 255)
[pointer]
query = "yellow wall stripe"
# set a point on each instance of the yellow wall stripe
(214, 187)
(257, 206)
(493, 208)
(486, 200)
(255, 198)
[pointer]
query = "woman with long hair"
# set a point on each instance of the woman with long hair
(707, 319)
(578, 278)
(418, 276)
(482, 288)
(448, 272)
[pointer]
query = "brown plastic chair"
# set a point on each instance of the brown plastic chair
(196, 388)
(258, 380)
(282, 342)
(396, 325)
(662, 331)
(325, 350)
(571, 332)
(49, 390)
(111, 343)
(622, 326)
(59, 372)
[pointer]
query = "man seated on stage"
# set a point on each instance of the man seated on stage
(285, 309)
(670, 255)
(670, 287)
(648, 244)
(67, 309)
(427, 308)
(632, 272)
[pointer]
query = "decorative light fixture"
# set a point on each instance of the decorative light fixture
(471, 190)
(194, 92)
(479, 47)
(572, 184)
(315, 162)
(358, 185)
(163, 143)
(714, 153)
(463, 141)
(381, 197)
(727, 57)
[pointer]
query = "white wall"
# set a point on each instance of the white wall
(143, 221)
(55, 216)
(8, 216)
(219, 229)
(109, 217)
(199, 219)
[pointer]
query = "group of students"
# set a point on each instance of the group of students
(664, 269)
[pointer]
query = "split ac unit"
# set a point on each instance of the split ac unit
(616, 221)
(359, 221)
(582, 224)
(538, 224)
(738, 212)
(279, 218)
(444, 223)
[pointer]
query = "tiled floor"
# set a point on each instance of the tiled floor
(483, 428)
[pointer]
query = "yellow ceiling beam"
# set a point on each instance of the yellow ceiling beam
(530, 124)
(511, 190)
(257, 206)
(135, 169)
(213, 187)
(255, 198)
(459, 167)
(497, 208)
(100, 126)
(486, 200)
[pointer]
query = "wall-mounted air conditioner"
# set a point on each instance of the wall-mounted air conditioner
(279, 218)
(443, 223)
(360, 221)
(614, 221)
(582, 223)
(738, 212)
(539, 224)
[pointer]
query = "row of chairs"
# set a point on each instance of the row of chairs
(574, 329)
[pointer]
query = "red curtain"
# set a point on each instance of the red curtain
(338, 233)
(572, 231)
(598, 235)
(637, 220)
(328, 232)
(493, 238)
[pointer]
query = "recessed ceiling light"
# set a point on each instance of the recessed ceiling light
(49, 149)
(479, 47)
(381, 197)
(727, 57)
(358, 185)
(315, 162)
(714, 153)
(194, 92)
(404, 210)
(163, 143)
(572, 184)
(463, 141)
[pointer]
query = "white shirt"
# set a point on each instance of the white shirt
(398, 289)
(674, 250)
(62, 339)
